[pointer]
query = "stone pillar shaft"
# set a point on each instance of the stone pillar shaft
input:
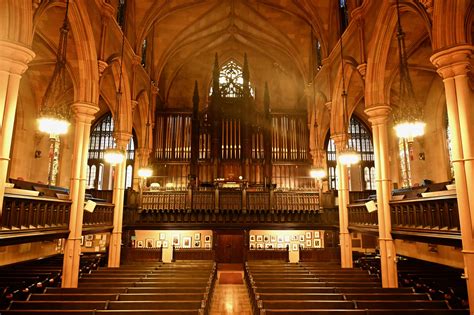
(84, 114)
(14, 59)
(118, 200)
(343, 196)
(378, 116)
(453, 65)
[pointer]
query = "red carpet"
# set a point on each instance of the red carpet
(230, 267)
(230, 278)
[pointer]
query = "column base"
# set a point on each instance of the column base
(115, 249)
(346, 250)
(72, 257)
(388, 265)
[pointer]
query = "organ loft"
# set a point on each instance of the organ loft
(236, 157)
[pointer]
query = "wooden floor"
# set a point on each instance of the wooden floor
(230, 299)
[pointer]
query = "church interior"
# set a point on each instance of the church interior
(236, 157)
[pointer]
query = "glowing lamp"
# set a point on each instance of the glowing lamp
(349, 157)
(410, 130)
(114, 156)
(145, 172)
(53, 125)
(317, 173)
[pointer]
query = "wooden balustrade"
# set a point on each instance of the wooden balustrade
(435, 214)
(328, 254)
(103, 215)
(268, 254)
(434, 217)
(133, 254)
(28, 213)
(359, 216)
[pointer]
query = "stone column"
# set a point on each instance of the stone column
(453, 66)
(141, 160)
(343, 197)
(378, 116)
(122, 139)
(14, 59)
(84, 115)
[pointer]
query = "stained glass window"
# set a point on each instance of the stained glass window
(101, 138)
(405, 167)
(360, 140)
(231, 80)
(344, 15)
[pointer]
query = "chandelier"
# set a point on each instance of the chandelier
(54, 111)
(347, 156)
(116, 155)
(408, 117)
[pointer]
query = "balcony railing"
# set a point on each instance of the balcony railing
(23, 216)
(430, 216)
(227, 207)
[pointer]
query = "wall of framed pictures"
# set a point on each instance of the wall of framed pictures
(167, 238)
(281, 239)
(95, 243)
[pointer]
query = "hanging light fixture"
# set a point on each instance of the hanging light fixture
(408, 117)
(116, 155)
(317, 173)
(347, 156)
(54, 114)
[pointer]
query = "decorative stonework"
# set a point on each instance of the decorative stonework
(362, 68)
(428, 5)
(102, 66)
(36, 4)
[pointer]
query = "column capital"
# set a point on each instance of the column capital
(328, 105)
(143, 151)
(378, 114)
(122, 138)
(453, 61)
(14, 57)
(102, 65)
(340, 140)
(85, 111)
(107, 10)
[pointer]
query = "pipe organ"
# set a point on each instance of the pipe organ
(231, 140)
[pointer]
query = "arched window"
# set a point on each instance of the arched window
(405, 166)
(121, 12)
(144, 46)
(449, 141)
(231, 80)
(99, 173)
(343, 14)
(318, 56)
(361, 140)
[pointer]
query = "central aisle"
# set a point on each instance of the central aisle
(230, 298)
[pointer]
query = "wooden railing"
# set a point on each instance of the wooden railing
(320, 254)
(25, 216)
(180, 253)
(102, 215)
(438, 214)
(132, 254)
(268, 254)
(230, 200)
(435, 216)
(30, 213)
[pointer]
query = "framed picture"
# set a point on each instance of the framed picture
(187, 242)
(280, 239)
(295, 247)
(162, 236)
(89, 237)
(316, 234)
(308, 235)
(259, 238)
(294, 238)
(165, 244)
(268, 246)
(273, 238)
(207, 245)
(158, 244)
(98, 236)
(301, 246)
(82, 240)
(89, 244)
(176, 240)
(260, 246)
(197, 244)
(252, 246)
(149, 243)
(102, 242)
(317, 243)
(280, 245)
(252, 238)
(207, 239)
(197, 236)
(309, 243)
(301, 238)
(266, 238)
(287, 238)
